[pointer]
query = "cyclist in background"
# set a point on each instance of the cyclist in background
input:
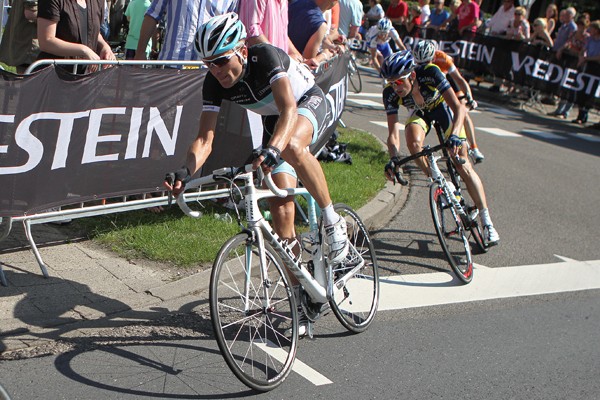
(378, 38)
(428, 96)
(426, 52)
(295, 112)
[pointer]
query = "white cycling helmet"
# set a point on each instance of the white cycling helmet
(384, 25)
(218, 35)
(424, 51)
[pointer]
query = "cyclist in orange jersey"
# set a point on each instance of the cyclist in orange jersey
(425, 52)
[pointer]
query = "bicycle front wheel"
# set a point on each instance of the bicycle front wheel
(355, 302)
(354, 76)
(452, 234)
(254, 316)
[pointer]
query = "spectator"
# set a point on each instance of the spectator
(540, 35)
(332, 17)
(573, 46)
(590, 53)
(136, 9)
(375, 12)
(117, 9)
(425, 11)
(451, 24)
(519, 28)
(467, 14)
(413, 22)
(19, 47)
(351, 14)
(501, 20)
(551, 17)
(178, 42)
(307, 30)
(567, 27)
(438, 16)
(267, 22)
(397, 12)
(61, 35)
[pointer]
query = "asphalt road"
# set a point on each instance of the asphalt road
(525, 328)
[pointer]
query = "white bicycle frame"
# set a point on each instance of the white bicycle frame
(319, 288)
(441, 180)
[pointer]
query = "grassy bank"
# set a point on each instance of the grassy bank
(172, 237)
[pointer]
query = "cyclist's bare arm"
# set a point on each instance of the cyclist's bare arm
(462, 83)
(199, 150)
(458, 110)
(393, 140)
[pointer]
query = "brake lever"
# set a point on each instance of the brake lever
(170, 179)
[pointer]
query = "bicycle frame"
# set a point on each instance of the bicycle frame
(320, 288)
(441, 180)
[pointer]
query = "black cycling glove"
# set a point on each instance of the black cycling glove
(390, 169)
(272, 156)
(454, 141)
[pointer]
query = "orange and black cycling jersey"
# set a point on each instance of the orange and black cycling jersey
(444, 62)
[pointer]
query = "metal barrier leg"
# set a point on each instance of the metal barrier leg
(3, 280)
(36, 253)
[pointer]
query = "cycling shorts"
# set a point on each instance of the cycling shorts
(384, 49)
(313, 106)
(442, 114)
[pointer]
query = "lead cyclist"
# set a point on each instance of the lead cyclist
(428, 96)
(264, 79)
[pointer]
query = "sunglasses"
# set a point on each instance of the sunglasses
(397, 82)
(520, 14)
(219, 61)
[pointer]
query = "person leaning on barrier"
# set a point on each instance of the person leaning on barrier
(62, 34)
(351, 14)
(498, 24)
(426, 52)
(428, 96)
(540, 35)
(438, 16)
(589, 57)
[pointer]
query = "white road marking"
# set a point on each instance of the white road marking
(422, 290)
(588, 137)
(384, 124)
(499, 132)
(363, 94)
(544, 135)
(299, 367)
(490, 107)
(366, 103)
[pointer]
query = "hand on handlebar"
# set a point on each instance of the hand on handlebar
(268, 159)
(454, 143)
(393, 172)
(175, 181)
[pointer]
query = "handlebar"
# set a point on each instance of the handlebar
(428, 150)
(229, 174)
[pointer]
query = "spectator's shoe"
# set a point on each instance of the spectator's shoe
(336, 238)
(491, 235)
(477, 155)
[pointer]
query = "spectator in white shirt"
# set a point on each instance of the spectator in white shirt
(425, 11)
(500, 21)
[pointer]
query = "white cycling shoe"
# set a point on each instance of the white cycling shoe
(491, 235)
(336, 237)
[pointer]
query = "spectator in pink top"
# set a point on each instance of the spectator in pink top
(468, 16)
(267, 21)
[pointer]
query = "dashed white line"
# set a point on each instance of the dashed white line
(544, 135)
(499, 132)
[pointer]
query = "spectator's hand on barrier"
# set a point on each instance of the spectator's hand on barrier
(267, 159)
(312, 63)
(175, 181)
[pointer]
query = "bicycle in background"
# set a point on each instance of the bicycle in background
(253, 307)
(454, 217)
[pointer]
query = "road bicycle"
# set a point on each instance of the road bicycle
(252, 304)
(454, 219)
(358, 55)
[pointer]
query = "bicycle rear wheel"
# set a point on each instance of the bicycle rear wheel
(355, 304)
(251, 313)
(354, 76)
(452, 234)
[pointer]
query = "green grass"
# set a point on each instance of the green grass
(186, 242)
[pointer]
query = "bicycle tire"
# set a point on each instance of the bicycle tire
(3, 394)
(354, 76)
(451, 233)
(253, 339)
(355, 305)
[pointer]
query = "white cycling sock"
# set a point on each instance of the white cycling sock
(485, 217)
(330, 217)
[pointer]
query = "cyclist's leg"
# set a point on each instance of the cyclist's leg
(415, 132)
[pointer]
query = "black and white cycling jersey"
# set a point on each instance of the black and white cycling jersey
(265, 65)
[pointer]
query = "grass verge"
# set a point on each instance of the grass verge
(186, 242)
